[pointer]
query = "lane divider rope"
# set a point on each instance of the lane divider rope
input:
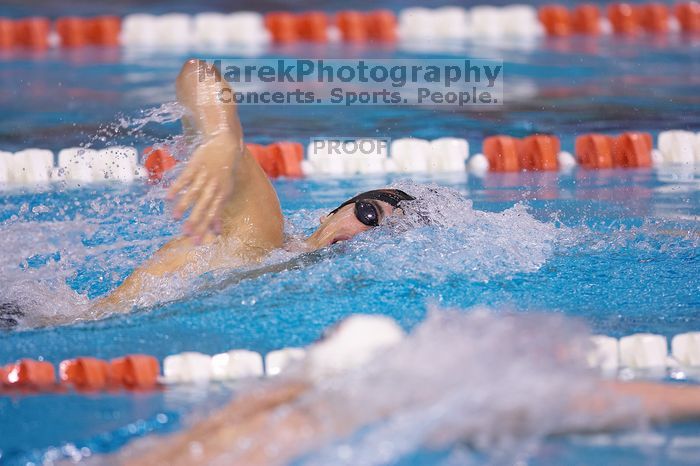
(379, 26)
(501, 153)
(353, 343)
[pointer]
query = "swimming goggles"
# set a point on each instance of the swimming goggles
(366, 212)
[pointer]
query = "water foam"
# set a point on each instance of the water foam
(441, 236)
(499, 382)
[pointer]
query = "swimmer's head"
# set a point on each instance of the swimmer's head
(358, 214)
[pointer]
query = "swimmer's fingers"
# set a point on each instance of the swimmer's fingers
(201, 215)
(215, 212)
(191, 195)
(185, 178)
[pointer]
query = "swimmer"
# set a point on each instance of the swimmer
(235, 217)
(234, 208)
(278, 420)
(268, 418)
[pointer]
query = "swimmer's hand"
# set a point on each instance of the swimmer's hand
(206, 184)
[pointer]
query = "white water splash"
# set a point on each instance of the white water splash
(441, 236)
(166, 113)
(499, 382)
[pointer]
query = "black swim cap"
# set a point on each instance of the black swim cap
(390, 196)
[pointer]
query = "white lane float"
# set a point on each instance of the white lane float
(138, 29)
(448, 155)
(365, 156)
(171, 30)
(478, 164)
(351, 344)
(450, 22)
(119, 163)
(644, 351)
(218, 29)
(411, 155)
(678, 147)
(324, 159)
(346, 157)
(415, 23)
(247, 27)
(78, 164)
(278, 361)
(418, 23)
(187, 367)
(566, 160)
(210, 29)
(486, 22)
(456, 23)
(685, 349)
(604, 354)
(520, 21)
(29, 166)
(237, 364)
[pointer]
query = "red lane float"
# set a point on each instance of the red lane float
(624, 18)
(358, 27)
(7, 33)
(654, 18)
(72, 31)
(79, 32)
(537, 152)
(289, 156)
(265, 159)
(556, 20)
(502, 153)
(352, 26)
(586, 19)
(158, 161)
(628, 150)
(279, 159)
(132, 372)
(594, 151)
(282, 27)
(632, 150)
(136, 371)
(313, 26)
(688, 15)
(85, 373)
(32, 32)
(381, 25)
(104, 30)
(28, 374)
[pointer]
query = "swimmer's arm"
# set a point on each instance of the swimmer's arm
(248, 420)
(651, 401)
(222, 183)
(260, 421)
(662, 402)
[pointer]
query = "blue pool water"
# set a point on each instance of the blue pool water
(617, 249)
